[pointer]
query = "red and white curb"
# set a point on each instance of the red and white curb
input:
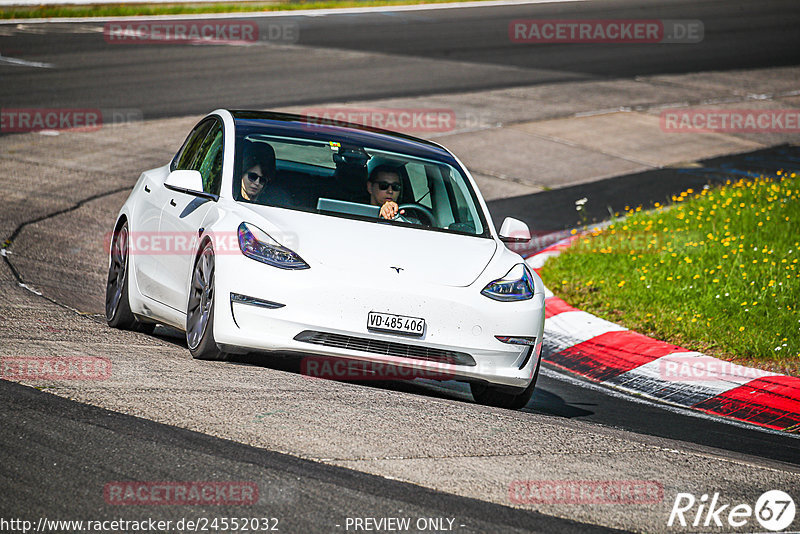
(610, 354)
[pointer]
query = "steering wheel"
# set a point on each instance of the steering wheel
(419, 208)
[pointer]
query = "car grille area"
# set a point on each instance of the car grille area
(386, 348)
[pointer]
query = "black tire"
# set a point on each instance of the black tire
(490, 396)
(200, 309)
(118, 307)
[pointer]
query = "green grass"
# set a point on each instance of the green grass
(718, 271)
(130, 10)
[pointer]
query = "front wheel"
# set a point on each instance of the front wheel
(200, 309)
(490, 396)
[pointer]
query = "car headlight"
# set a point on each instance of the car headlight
(258, 245)
(517, 284)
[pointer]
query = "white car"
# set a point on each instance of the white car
(264, 234)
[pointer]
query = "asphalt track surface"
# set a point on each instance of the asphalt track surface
(58, 456)
(368, 56)
(175, 80)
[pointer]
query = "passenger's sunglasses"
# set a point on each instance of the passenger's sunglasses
(396, 186)
(254, 177)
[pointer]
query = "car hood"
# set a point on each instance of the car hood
(375, 251)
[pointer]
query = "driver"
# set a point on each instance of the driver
(384, 187)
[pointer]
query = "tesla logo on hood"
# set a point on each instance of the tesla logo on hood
(398, 269)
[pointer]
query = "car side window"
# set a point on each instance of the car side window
(419, 183)
(464, 210)
(188, 152)
(209, 160)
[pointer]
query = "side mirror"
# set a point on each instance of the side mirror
(189, 182)
(514, 231)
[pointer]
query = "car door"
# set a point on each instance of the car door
(183, 215)
(146, 241)
(144, 231)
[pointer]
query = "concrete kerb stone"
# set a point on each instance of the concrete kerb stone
(615, 356)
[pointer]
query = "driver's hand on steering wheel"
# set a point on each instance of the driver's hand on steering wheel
(389, 210)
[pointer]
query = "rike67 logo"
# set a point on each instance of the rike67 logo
(774, 510)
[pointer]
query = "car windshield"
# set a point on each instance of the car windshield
(330, 177)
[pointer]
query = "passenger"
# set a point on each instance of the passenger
(258, 176)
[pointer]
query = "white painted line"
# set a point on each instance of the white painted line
(24, 63)
(697, 370)
(29, 288)
(684, 378)
(267, 14)
(570, 328)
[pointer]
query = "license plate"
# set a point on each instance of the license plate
(396, 324)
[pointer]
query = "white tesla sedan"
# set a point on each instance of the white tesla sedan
(277, 233)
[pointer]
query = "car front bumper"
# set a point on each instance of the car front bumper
(293, 311)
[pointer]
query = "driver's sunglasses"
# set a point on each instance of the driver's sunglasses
(254, 177)
(396, 186)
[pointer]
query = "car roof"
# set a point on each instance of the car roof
(310, 127)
